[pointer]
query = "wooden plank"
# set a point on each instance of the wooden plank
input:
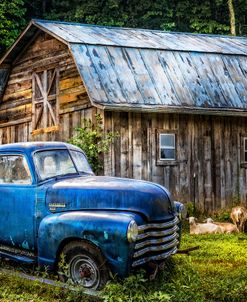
(183, 143)
(156, 171)
(117, 143)
(11, 123)
(130, 138)
(109, 157)
(137, 146)
(200, 165)
(217, 154)
(145, 138)
(235, 158)
(227, 161)
(45, 130)
(71, 82)
(72, 95)
(124, 144)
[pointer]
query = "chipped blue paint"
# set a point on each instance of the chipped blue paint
(98, 209)
(25, 245)
(11, 240)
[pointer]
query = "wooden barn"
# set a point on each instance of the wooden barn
(178, 100)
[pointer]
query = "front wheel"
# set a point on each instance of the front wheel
(85, 265)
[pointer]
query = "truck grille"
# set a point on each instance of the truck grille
(156, 241)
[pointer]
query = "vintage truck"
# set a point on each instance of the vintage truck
(53, 206)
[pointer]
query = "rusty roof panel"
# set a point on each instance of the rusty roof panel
(156, 79)
(144, 38)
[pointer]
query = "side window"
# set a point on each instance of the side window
(167, 146)
(14, 170)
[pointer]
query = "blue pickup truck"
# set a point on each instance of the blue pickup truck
(53, 206)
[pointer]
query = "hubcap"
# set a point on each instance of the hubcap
(84, 271)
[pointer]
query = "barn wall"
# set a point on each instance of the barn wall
(16, 107)
(207, 147)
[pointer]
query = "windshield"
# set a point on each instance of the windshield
(53, 163)
(81, 162)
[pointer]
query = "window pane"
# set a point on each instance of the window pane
(14, 169)
(81, 162)
(167, 153)
(53, 163)
(167, 140)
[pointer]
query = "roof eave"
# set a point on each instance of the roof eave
(174, 109)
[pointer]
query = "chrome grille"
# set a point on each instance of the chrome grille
(156, 241)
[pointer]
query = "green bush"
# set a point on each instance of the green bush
(92, 139)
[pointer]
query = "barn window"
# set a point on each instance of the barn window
(167, 146)
(45, 101)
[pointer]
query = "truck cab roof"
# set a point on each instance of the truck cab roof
(30, 147)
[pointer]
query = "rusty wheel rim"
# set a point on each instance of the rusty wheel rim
(84, 271)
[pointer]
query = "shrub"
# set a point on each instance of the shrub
(92, 139)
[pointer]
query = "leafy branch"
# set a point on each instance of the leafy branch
(94, 141)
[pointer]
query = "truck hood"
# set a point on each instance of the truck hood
(109, 193)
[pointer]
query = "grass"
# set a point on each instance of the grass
(216, 272)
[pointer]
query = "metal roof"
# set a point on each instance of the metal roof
(136, 69)
(144, 79)
(143, 38)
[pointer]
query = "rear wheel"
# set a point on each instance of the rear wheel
(85, 265)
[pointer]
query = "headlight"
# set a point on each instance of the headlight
(132, 231)
(181, 210)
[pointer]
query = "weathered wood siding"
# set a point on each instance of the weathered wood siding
(208, 147)
(16, 107)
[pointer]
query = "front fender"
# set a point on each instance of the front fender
(107, 230)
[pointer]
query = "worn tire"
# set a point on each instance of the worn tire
(85, 265)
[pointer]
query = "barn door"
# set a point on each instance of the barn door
(45, 101)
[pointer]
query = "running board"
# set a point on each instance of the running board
(18, 258)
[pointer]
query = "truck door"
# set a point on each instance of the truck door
(17, 202)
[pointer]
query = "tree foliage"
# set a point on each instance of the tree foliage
(11, 21)
(208, 16)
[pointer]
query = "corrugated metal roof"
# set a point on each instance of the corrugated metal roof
(156, 79)
(134, 69)
(144, 38)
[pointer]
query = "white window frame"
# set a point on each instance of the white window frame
(167, 147)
